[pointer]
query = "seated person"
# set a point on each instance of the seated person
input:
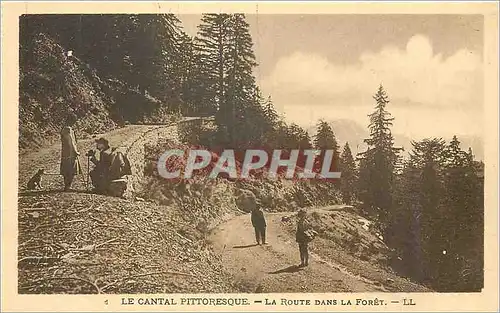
(110, 169)
(100, 174)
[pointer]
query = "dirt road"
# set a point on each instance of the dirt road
(49, 157)
(260, 269)
(273, 267)
(82, 243)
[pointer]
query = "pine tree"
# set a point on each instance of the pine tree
(270, 112)
(160, 60)
(461, 231)
(212, 44)
(298, 138)
(237, 114)
(325, 140)
(226, 46)
(439, 216)
(406, 228)
(456, 157)
(200, 87)
(185, 72)
(431, 191)
(196, 92)
(252, 125)
(348, 178)
(281, 139)
(153, 62)
(417, 216)
(377, 164)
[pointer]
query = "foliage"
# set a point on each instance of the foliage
(439, 221)
(143, 68)
(378, 162)
(348, 179)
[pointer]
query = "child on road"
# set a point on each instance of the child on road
(303, 236)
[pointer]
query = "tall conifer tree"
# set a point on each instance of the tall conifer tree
(348, 178)
(377, 165)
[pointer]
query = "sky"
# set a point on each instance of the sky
(329, 66)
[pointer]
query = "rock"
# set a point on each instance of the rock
(390, 280)
(34, 214)
(246, 200)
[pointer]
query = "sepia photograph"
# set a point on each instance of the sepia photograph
(242, 153)
(102, 97)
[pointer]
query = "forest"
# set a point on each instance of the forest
(142, 68)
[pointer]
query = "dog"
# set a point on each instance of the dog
(36, 181)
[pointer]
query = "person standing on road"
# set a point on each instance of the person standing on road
(70, 165)
(302, 237)
(259, 224)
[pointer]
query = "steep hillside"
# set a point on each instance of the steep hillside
(81, 243)
(77, 242)
(352, 241)
(57, 90)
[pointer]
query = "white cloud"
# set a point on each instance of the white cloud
(415, 78)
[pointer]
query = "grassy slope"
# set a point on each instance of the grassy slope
(347, 241)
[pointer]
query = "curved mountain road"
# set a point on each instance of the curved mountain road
(261, 269)
(273, 267)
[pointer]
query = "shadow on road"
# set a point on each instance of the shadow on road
(290, 269)
(247, 246)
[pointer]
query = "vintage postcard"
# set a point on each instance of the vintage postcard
(184, 156)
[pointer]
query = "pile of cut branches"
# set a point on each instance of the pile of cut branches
(81, 243)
